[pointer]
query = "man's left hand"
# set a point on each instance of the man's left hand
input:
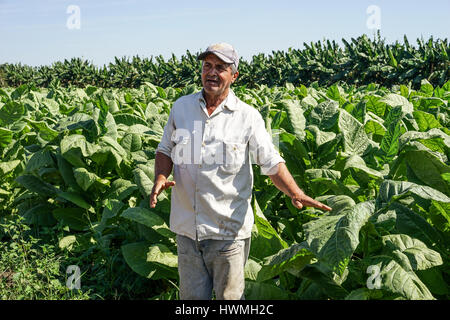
(302, 200)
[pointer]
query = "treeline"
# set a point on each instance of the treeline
(359, 61)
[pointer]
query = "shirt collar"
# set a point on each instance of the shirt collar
(230, 101)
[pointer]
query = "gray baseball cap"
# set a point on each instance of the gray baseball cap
(223, 51)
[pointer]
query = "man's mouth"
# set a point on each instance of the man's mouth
(212, 82)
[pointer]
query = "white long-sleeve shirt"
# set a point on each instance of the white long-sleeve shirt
(212, 156)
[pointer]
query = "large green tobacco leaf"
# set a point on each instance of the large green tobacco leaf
(327, 281)
(355, 137)
(336, 93)
(45, 132)
(328, 152)
(320, 137)
(75, 198)
(356, 162)
(391, 190)
(40, 215)
(153, 261)
(390, 143)
(80, 121)
(395, 100)
(19, 92)
(265, 239)
(265, 291)
(34, 184)
(39, 159)
(395, 279)
(111, 142)
(394, 116)
(5, 137)
(295, 116)
(321, 186)
(373, 104)
(143, 177)
(75, 218)
(292, 259)
(51, 105)
(107, 158)
(434, 281)
(111, 209)
(410, 136)
(375, 128)
(334, 238)
(8, 166)
(428, 169)
(339, 203)
(131, 142)
(149, 219)
(322, 173)
(410, 253)
(129, 119)
(294, 150)
(86, 179)
(121, 189)
(66, 170)
(425, 120)
(325, 115)
(414, 225)
(11, 112)
(75, 148)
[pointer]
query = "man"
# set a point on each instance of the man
(208, 141)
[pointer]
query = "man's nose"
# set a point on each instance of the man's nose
(213, 71)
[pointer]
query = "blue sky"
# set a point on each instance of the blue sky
(35, 32)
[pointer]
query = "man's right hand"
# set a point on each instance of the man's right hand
(161, 184)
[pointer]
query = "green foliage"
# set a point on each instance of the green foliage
(79, 163)
(360, 61)
(30, 269)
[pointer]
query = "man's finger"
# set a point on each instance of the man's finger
(297, 203)
(169, 184)
(153, 199)
(157, 189)
(154, 195)
(310, 202)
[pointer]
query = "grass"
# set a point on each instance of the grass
(30, 269)
(33, 267)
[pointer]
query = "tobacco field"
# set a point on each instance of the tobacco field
(77, 168)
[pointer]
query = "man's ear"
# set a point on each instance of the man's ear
(235, 77)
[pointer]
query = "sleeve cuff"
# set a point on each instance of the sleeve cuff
(164, 151)
(271, 167)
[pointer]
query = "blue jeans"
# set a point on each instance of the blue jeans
(209, 265)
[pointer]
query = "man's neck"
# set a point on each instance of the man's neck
(213, 101)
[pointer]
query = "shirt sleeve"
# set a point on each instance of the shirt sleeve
(166, 144)
(261, 147)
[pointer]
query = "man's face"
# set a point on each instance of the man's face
(217, 75)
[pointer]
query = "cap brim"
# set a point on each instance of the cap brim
(218, 54)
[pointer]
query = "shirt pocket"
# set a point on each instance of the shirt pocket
(235, 155)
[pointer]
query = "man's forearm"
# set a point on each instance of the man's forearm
(284, 181)
(163, 165)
